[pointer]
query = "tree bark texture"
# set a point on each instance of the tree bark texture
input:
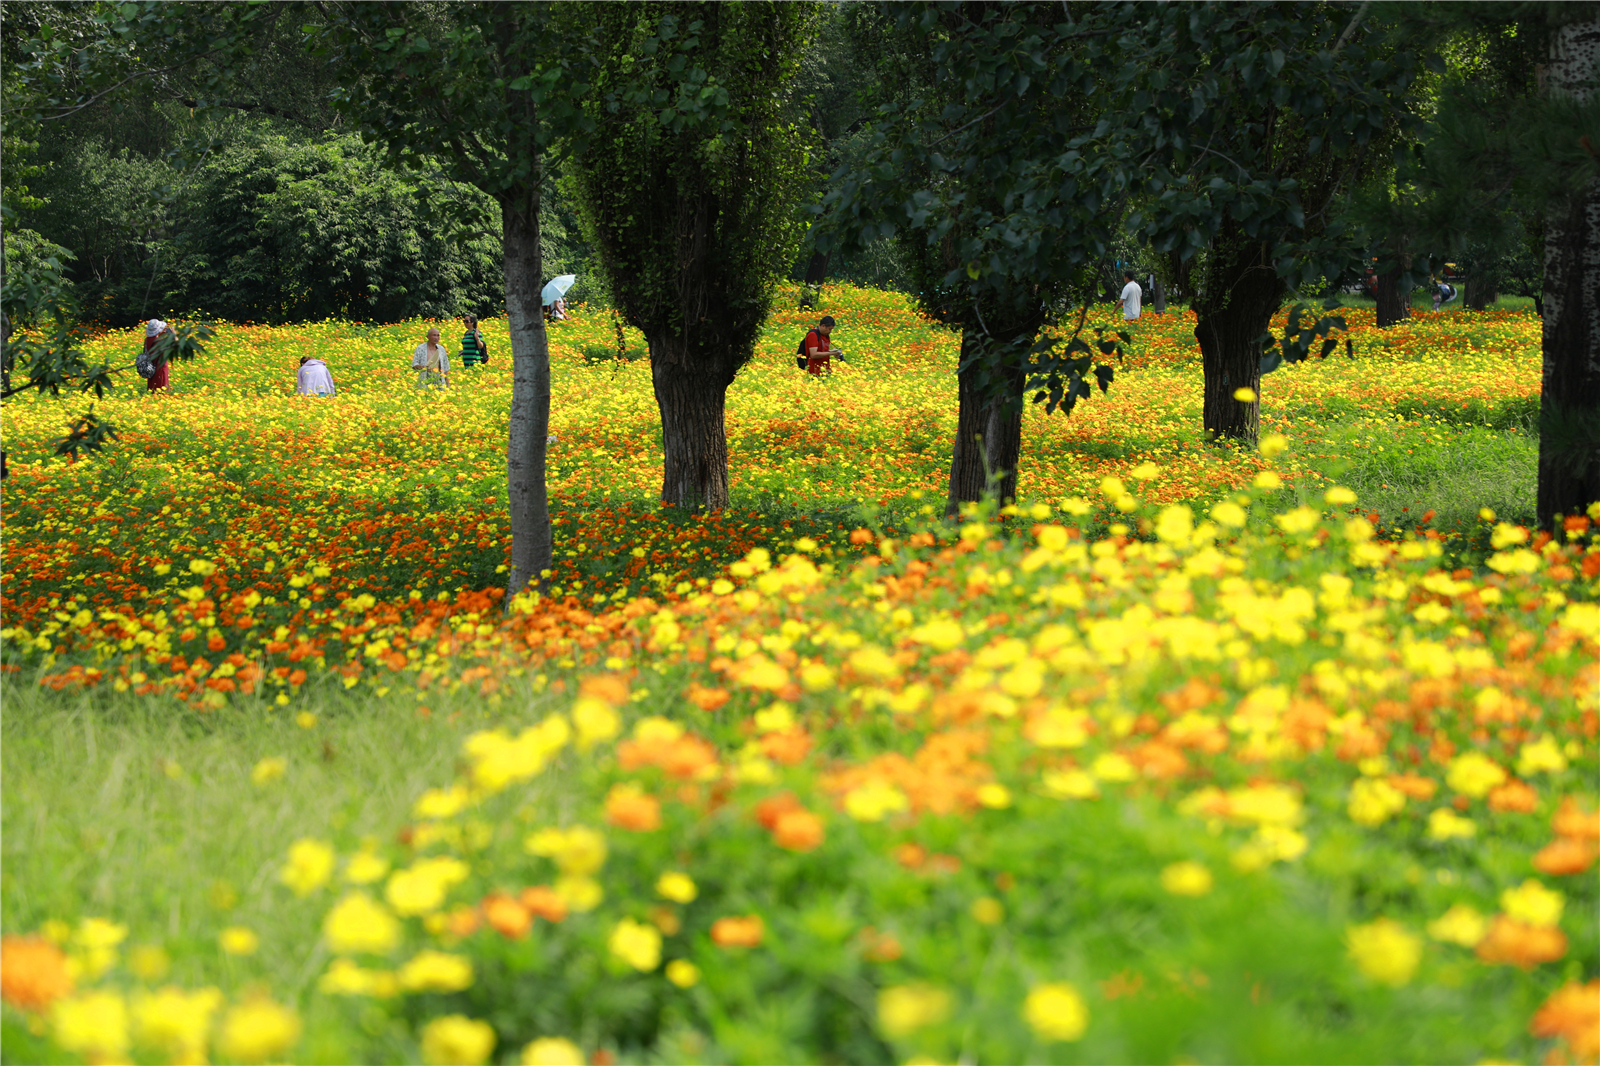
(530, 390)
(692, 399)
(989, 416)
(1481, 292)
(1242, 292)
(1392, 303)
(1569, 417)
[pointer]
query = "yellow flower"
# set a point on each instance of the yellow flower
(441, 802)
(1474, 774)
(1267, 479)
(1339, 496)
(1229, 514)
(456, 1040)
(1056, 1011)
(1459, 925)
(1385, 951)
(552, 1051)
(1111, 766)
(309, 867)
(1446, 824)
(986, 910)
(364, 868)
(435, 971)
(1186, 879)
(903, 1009)
(595, 721)
(175, 1021)
(1245, 394)
(994, 796)
(237, 940)
(683, 973)
(94, 1025)
(421, 887)
(305, 720)
(1373, 800)
(580, 894)
(1540, 756)
(1069, 784)
(269, 770)
(636, 944)
(1532, 903)
(96, 941)
(359, 924)
(678, 887)
(874, 801)
(940, 634)
(257, 1030)
(579, 851)
(345, 978)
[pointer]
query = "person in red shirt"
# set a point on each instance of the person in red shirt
(818, 349)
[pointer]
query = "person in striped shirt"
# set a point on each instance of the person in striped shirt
(474, 350)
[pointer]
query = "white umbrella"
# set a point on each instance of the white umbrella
(557, 288)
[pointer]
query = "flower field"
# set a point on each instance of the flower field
(1191, 756)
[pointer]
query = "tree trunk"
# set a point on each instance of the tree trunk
(1392, 303)
(989, 420)
(692, 400)
(530, 390)
(1242, 292)
(816, 273)
(1159, 291)
(1481, 292)
(1569, 418)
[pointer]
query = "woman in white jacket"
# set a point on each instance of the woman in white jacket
(314, 380)
(431, 362)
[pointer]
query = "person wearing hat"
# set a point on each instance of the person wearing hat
(153, 331)
(818, 350)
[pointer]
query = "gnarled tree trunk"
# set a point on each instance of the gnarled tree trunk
(1569, 418)
(692, 398)
(1242, 293)
(530, 390)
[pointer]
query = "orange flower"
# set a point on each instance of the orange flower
(707, 699)
(1564, 855)
(33, 972)
(798, 830)
(509, 917)
(629, 808)
(609, 688)
(787, 747)
(1572, 1013)
(1517, 943)
(1514, 796)
(543, 901)
(1414, 785)
(738, 932)
(463, 921)
(769, 810)
(1572, 821)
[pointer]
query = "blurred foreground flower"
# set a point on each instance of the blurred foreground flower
(1056, 1011)
(903, 1009)
(33, 972)
(1385, 951)
(456, 1040)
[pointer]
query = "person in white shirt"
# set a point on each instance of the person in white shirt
(1129, 300)
(431, 362)
(314, 378)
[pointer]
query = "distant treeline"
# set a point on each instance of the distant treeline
(268, 227)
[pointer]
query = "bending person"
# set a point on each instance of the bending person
(314, 379)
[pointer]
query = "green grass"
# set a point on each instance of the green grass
(136, 810)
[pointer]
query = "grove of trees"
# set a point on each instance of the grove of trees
(691, 156)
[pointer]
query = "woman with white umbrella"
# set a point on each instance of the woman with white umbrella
(553, 296)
